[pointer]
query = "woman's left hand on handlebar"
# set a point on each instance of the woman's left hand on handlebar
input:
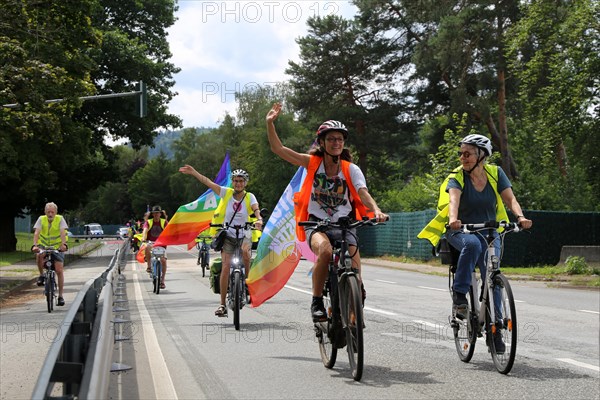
(381, 217)
(525, 223)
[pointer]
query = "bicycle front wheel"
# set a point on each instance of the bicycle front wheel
(49, 290)
(503, 344)
(352, 318)
(465, 330)
(237, 298)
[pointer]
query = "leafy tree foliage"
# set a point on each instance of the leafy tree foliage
(52, 49)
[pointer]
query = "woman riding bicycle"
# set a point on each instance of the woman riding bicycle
(474, 192)
(235, 208)
(331, 189)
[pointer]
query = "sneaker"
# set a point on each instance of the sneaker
(317, 309)
(40, 280)
(162, 285)
(460, 304)
(60, 302)
(221, 311)
(499, 343)
(148, 270)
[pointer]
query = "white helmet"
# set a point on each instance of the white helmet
(480, 142)
(241, 173)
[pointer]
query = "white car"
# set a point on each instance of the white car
(93, 229)
(123, 232)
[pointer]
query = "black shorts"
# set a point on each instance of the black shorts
(333, 234)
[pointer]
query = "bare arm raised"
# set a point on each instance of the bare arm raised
(189, 170)
(277, 147)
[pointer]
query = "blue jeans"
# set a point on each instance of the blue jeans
(472, 249)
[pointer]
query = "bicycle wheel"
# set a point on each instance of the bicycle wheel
(465, 331)
(49, 291)
(205, 262)
(237, 298)
(158, 275)
(325, 336)
(505, 329)
(352, 318)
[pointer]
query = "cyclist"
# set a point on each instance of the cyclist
(474, 192)
(151, 231)
(51, 230)
(333, 187)
(237, 206)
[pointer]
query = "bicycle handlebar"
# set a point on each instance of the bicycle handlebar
(247, 225)
(342, 223)
(471, 228)
(47, 249)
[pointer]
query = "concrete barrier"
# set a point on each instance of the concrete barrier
(590, 253)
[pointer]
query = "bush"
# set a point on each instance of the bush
(576, 266)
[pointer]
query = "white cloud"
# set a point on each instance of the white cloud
(224, 46)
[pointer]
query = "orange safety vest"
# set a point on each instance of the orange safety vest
(302, 197)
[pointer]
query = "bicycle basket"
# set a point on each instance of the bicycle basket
(158, 251)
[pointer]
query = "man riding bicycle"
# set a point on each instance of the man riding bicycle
(153, 227)
(235, 208)
(333, 187)
(51, 230)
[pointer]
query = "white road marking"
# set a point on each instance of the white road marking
(589, 311)
(432, 288)
(382, 281)
(580, 364)
(163, 384)
(298, 289)
(427, 324)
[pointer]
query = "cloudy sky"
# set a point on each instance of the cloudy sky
(226, 46)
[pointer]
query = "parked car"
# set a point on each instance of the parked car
(123, 232)
(93, 229)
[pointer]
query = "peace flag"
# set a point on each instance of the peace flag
(192, 218)
(278, 251)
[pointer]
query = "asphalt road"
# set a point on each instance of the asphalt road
(177, 348)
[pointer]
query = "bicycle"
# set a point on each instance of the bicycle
(495, 315)
(342, 295)
(49, 275)
(157, 253)
(203, 253)
(237, 291)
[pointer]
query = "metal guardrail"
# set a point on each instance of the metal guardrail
(79, 357)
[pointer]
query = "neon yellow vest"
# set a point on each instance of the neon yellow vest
(219, 215)
(151, 222)
(434, 230)
(50, 235)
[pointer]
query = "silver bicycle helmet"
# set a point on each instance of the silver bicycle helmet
(478, 141)
(242, 173)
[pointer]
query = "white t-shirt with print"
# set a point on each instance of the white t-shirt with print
(330, 196)
(241, 216)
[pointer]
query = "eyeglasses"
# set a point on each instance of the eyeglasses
(335, 139)
(239, 181)
(464, 154)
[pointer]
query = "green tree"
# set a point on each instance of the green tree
(453, 54)
(339, 77)
(555, 51)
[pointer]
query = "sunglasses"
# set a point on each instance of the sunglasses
(464, 154)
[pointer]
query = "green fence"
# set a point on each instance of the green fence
(541, 245)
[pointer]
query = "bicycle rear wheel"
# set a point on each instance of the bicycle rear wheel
(505, 329)
(49, 291)
(325, 335)
(237, 298)
(465, 330)
(352, 319)
(205, 262)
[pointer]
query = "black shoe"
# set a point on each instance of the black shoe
(40, 280)
(364, 293)
(317, 309)
(499, 343)
(60, 302)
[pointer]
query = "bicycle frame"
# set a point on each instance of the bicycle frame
(157, 253)
(50, 285)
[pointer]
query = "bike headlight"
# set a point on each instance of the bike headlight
(235, 260)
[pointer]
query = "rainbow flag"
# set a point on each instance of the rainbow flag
(278, 251)
(192, 218)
